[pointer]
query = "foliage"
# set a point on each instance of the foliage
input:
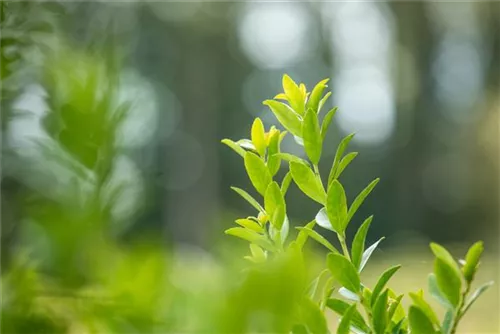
(267, 231)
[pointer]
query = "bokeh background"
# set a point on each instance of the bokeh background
(112, 116)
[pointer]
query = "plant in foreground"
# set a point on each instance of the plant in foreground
(362, 309)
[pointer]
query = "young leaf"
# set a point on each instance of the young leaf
(368, 253)
(338, 156)
(345, 323)
(348, 294)
(380, 320)
(250, 224)
(317, 92)
(327, 120)
(290, 157)
(420, 302)
(344, 272)
(382, 281)
(308, 182)
(436, 292)
(313, 287)
(447, 322)
(312, 136)
(345, 162)
(250, 236)
(319, 238)
(340, 307)
(358, 244)
(441, 253)
(258, 136)
(274, 203)
(257, 172)
(273, 160)
(393, 307)
(360, 199)
(258, 254)
(286, 116)
(286, 183)
(322, 219)
(448, 281)
(246, 144)
(419, 323)
(323, 101)
(313, 317)
(336, 207)
(476, 295)
(472, 260)
(293, 94)
(235, 147)
(249, 199)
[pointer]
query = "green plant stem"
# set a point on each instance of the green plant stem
(459, 312)
(343, 244)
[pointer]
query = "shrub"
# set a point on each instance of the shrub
(363, 309)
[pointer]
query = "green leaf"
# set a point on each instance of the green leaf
(327, 120)
(419, 323)
(257, 172)
(323, 101)
(308, 182)
(345, 162)
(250, 224)
(312, 136)
(344, 272)
(382, 281)
(436, 292)
(249, 199)
(274, 161)
(250, 236)
(286, 183)
(290, 157)
(275, 206)
(380, 320)
(358, 244)
(286, 116)
(237, 148)
(279, 235)
(472, 260)
(360, 199)
(257, 253)
(322, 219)
(340, 307)
(303, 235)
(345, 323)
(348, 294)
(313, 287)
(448, 281)
(420, 302)
(336, 207)
(246, 144)
(368, 253)
(293, 94)
(258, 136)
(393, 307)
(338, 156)
(476, 295)
(313, 317)
(315, 97)
(319, 238)
(441, 253)
(447, 322)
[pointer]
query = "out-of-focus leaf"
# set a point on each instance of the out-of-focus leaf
(436, 292)
(476, 295)
(250, 236)
(312, 136)
(419, 323)
(336, 207)
(344, 272)
(419, 301)
(358, 244)
(308, 182)
(257, 172)
(447, 322)
(441, 253)
(313, 317)
(303, 235)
